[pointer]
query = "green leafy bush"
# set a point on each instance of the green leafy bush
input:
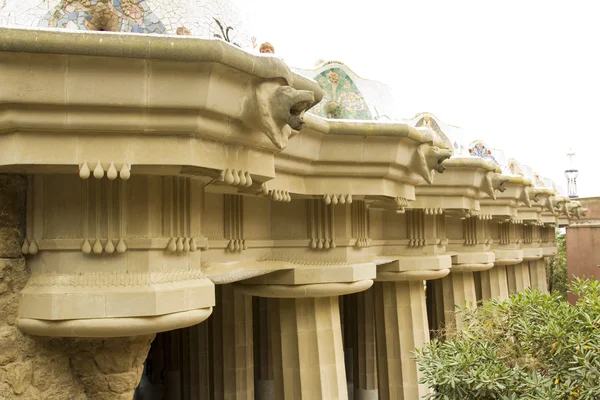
(532, 346)
(556, 267)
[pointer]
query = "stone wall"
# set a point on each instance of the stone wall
(583, 243)
(45, 368)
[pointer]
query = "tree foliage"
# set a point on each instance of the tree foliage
(532, 346)
(556, 267)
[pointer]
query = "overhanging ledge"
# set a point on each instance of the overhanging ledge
(150, 47)
(113, 327)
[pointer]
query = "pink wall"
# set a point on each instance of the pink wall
(583, 242)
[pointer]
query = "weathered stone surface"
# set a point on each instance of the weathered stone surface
(8, 345)
(10, 240)
(18, 376)
(110, 366)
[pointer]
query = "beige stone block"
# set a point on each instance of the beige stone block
(35, 78)
(494, 284)
(303, 275)
(127, 85)
(508, 256)
(537, 272)
(232, 345)
(518, 277)
(408, 263)
(458, 291)
(474, 258)
(227, 90)
(365, 352)
(308, 358)
(532, 253)
(401, 319)
(178, 85)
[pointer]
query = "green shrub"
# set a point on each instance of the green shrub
(532, 346)
(556, 267)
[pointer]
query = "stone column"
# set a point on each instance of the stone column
(434, 296)
(458, 289)
(401, 325)
(233, 353)
(308, 354)
(401, 321)
(183, 358)
(494, 283)
(109, 368)
(365, 348)
(518, 277)
(537, 273)
(33, 367)
(349, 332)
(173, 374)
(264, 386)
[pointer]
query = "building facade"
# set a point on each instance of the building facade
(173, 212)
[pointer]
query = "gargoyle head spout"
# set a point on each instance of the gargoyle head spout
(281, 110)
(431, 158)
(494, 181)
(440, 156)
(498, 181)
(525, 197)
(289, 106)
(550, 204)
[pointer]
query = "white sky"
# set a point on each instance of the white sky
(521, 75)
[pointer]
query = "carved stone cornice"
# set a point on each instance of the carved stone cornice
(505, 206)
(413, 268)
(540, 203)
(121, 137)
(507, 256)
(473, 178)
(156, 104)
(472, 261)
(311, 281)
(375, 162)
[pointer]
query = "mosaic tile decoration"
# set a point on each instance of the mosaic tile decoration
(479, 149)
(342, 98)
(537, 181)
(549, 183)
(432, 123)
(203, 18)
(514, 167)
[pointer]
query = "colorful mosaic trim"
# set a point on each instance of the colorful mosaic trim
(537, 181)
(114, 16)
(515, 168)
(479, 149)
(342, 98)
(431, 123)
(203, 18)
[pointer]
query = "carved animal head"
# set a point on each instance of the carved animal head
(550, 204)
(494, 181)
(525, 197)
(431, 158)
(581, 212)
(568, 208)
(281, 110)
(440, 155)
